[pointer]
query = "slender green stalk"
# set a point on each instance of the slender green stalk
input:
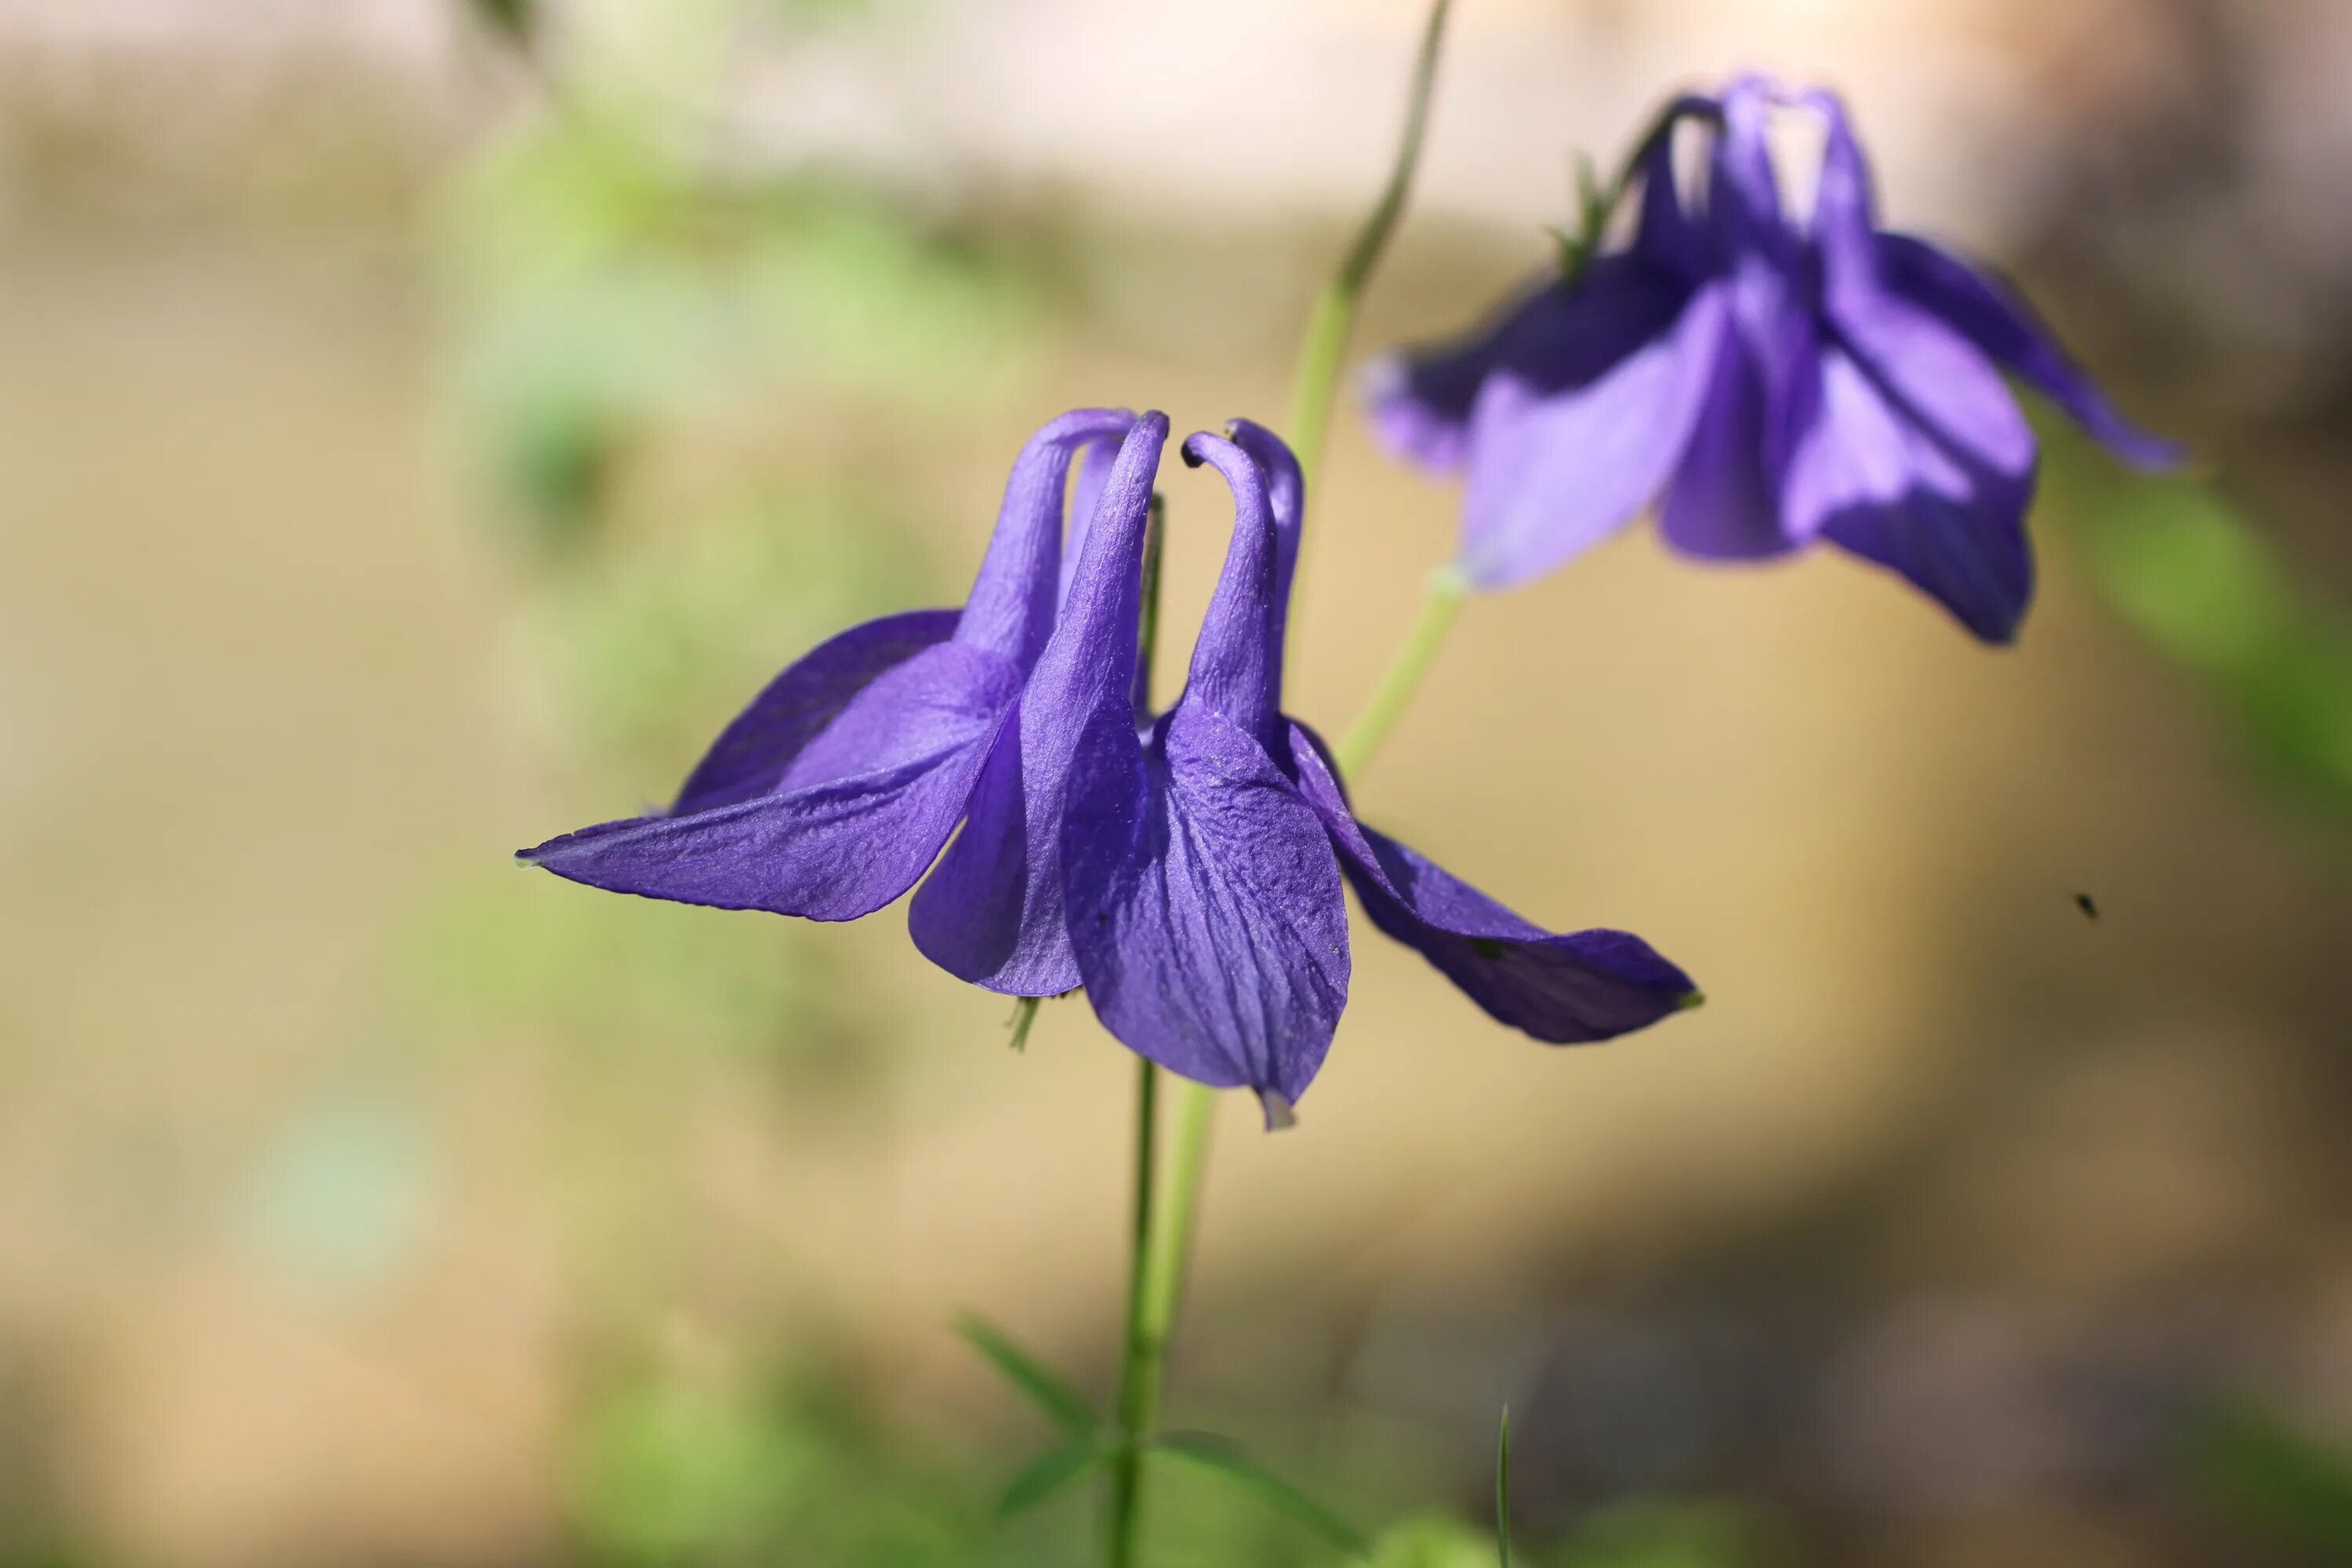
(1439, 606)
(1315, 383)
(1146, 1343)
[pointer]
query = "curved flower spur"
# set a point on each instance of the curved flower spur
(1203, 859)
(1769, 384)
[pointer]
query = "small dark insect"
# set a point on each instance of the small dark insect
(2089, 906)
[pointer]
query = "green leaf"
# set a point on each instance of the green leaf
(2274, 1478)
(1048, 1473)
(1503, 1489)
(1064, 1406)
(1223, 1457)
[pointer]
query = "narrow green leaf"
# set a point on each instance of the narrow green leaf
(1503, 1488)
(1064, 1406)
(1223, 1457)
(1048, 1473)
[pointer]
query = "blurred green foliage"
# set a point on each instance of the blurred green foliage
(2258, 1472)
(2196, 577)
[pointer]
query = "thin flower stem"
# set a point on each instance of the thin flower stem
(1439, 606)
(1315, 383)
(1146, 1359)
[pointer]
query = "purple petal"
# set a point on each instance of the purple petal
(1992, 317)
(1236, 667)
(1565, 989)
(1011, 610)
(1936, 378)
(863, 809)
(1844, 210)
(1579, 435)
(1285, 489)
(1723, 503)
(1420, 400)
(1205, 905)
(991, 912)
(752, 753)
(1878, 484)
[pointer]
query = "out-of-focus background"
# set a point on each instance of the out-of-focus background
(422, 424)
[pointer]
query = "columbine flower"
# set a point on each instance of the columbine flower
(1202, 861)
(1186, 872)
(835, 789)
(1768, 383)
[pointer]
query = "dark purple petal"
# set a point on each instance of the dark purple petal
(1561, 988)
(991, 912)
(1865, 474)
(1665, 233)
(1205, 905)
(1724, 503)
(752, 753)
(1573, 441)
(863, 809)
(1011, 610)
(1420, 400)
(1992, 317)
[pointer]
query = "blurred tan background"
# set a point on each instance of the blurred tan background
(422, 426)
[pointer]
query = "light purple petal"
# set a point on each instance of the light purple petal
(1572, 448)
(1205, 905)
(2001, 324)
(1561, 988)
(863, 809)
(991, 912)
(1936, 378)
(752, 753)
(1870, 479)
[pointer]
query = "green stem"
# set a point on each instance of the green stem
(1146, 1359)
(1439, 606)
(1315, 383)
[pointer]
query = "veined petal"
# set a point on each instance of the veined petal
(1565, 989)
(862, 810)
(1285, 489)
(752, 753)
(1205, 905)
(1976, 304)
(991, 912)
(1013, 597)
(1867, 475)
(1572, 442)
(1236, 667)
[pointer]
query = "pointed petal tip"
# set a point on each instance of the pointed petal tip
(1690, 1002)
(1280, 1115)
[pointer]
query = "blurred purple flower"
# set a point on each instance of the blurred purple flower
(1203, 858)
(1767, 383)
(1187, 872)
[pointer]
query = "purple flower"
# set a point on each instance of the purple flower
(1767, 383)
(1203, 859)
(1187, 872)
